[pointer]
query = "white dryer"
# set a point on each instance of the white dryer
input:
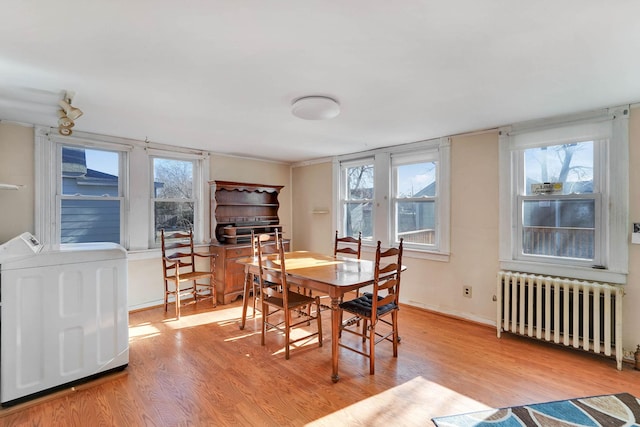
(63, 315)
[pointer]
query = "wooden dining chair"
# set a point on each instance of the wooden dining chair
(179, 266)
(270, 245)
(375, 308)
(344, 245)
(284, 301)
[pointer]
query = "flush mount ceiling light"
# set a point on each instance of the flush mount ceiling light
(315, 108)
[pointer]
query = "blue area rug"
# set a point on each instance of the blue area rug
(615, 410)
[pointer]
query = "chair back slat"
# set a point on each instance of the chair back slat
(271, 242)
(342, 245)
(173, 254)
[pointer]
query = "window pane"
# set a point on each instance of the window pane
(569, 164)
(172, 179)
(360, 182)
(416, 222)
(173, 216)
(85, 221)
(357, 217)
(416, 180)
(89, 172)
(560, 228)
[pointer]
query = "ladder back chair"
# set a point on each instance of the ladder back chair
(284, 301)
(179, 266)
(270, 245)
(375, 308)
(344, 245)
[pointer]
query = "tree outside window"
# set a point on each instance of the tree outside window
(173, 195)
(559, 219)
(358, 201)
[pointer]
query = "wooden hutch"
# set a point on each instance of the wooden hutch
(237, 208)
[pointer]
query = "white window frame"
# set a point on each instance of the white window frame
(404, 159)
(609, 131)
(122, 185)
(344, 192)
(197, 194)
(383, 216)
(136, 225)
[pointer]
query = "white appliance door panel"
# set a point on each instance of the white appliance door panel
(61, 324)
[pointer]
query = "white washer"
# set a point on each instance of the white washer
(63, 316)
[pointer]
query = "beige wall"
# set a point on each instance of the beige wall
(474, 230)
(16, 167)
(474, 233)
(312, 207)
(429, 284)
(145, 270)
(631, 322)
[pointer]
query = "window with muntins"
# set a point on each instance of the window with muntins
(173, 196)
(559, 203)
(96, 189)
(394, 193)
(565, 211)
(89, 194)
(357, 193)
(415, 198)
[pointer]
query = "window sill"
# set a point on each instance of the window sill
(156, 253)
(582, 273)
(415, 253)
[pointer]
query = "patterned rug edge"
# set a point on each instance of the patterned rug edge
(602, 410)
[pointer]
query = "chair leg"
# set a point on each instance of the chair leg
(166, 295)
(287, 331)
(364, 330)
(372, 346)
(265, 316)
(319, 318)
(254, 291)
(177, 303)
(396, 337)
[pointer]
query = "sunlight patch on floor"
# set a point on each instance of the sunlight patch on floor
(220, 316)
(145, 330)
(413, 403)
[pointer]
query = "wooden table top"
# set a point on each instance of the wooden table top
(326, 269)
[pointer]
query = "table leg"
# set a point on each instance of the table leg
(335, 336)
(245, 298)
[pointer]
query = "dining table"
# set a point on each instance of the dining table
(331, 275)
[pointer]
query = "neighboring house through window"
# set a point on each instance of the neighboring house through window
(395, 193)
(90, 196)
(95, 189)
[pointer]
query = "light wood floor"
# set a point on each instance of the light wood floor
(204, 371)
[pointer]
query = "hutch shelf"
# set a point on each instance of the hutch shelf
(238, 208)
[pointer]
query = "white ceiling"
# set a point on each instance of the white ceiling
(221, 75)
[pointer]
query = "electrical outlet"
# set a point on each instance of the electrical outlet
(466, 291)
